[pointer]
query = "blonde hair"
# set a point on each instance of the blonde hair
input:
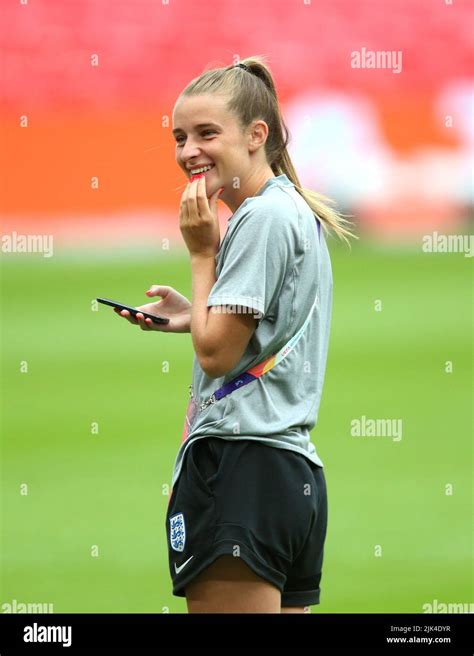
(252, 95)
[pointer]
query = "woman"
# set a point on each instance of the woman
(247, 517)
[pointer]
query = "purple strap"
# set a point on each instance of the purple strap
(229, 387)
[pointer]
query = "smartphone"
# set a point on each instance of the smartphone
(133, 311)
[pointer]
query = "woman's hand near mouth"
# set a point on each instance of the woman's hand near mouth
(198, 220)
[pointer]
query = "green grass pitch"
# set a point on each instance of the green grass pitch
(397, 537)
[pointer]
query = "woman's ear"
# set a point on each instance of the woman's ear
(258, 134)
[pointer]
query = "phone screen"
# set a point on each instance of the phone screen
(133, 311)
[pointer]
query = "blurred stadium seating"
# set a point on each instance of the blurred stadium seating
(375, 140)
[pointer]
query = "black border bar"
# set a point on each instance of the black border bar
(168, 633)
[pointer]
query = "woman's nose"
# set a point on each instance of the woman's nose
(189, 151)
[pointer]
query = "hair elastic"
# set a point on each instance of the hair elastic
(246, 68)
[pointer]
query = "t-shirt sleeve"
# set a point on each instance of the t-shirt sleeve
(255, 259)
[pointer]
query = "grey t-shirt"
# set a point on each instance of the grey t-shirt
(271, 263)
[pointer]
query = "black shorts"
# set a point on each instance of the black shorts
(263, 504)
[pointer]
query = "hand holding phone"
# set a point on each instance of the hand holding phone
(133, 311)
(171, 314)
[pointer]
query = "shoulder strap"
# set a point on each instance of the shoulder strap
(259, 369)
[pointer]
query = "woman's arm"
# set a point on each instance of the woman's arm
(219, 339)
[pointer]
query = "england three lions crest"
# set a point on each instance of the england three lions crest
(177, 532)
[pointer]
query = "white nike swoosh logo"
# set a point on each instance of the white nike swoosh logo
(178, 569)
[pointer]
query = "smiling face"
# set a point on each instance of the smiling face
(206, 133)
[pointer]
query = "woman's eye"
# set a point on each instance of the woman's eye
(205, 133)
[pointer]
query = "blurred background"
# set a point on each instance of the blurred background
(92, 408)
